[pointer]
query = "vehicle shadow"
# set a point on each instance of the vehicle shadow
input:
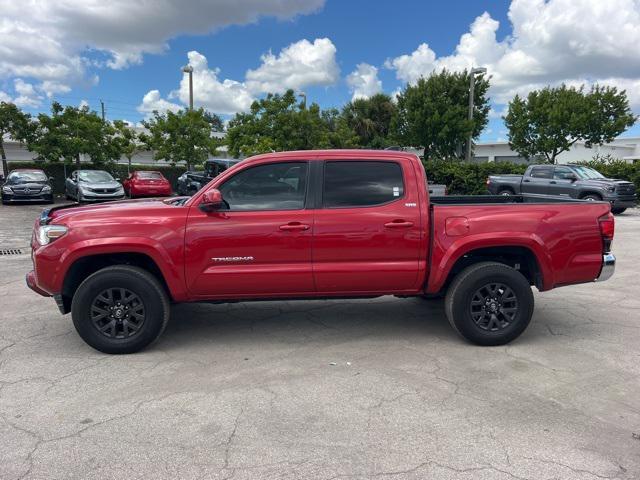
(321, 322)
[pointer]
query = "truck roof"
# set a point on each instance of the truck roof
(337, 153)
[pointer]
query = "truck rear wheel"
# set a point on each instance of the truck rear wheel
(489, 303)
(120, 309)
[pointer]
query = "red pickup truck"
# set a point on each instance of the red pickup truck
(315, 224)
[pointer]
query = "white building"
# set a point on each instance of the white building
(624, 148)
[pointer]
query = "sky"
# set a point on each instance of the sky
(129, 53)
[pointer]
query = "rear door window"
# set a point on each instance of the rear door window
(361, 183)
(541, 172)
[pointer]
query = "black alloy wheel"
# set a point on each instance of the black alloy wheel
(494, 307)
(117, 313)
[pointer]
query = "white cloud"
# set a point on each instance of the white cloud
(552, 41)
(153, 101)
(226, 96)
(363, 81)
(48, 40)
(300, 64)
(27, 95)
(5, 97)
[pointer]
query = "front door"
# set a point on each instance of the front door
(368, 230)
(260, 244)
(563, 182)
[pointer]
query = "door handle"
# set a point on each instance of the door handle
(552, 182)
(526, 181)
(294, 226)
(398, 224)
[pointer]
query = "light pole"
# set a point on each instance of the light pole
(189, 69)
(304, 97)
(472, 84)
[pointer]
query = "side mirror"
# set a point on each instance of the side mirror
(573, 177)
(51, 179)
(211, 200)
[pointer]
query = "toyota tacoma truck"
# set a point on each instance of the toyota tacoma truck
(309, 225)
(574, 181)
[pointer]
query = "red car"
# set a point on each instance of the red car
(316, 224)
(144, 183)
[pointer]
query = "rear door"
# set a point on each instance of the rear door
(367, 231)
(537, 180)
(260, 245)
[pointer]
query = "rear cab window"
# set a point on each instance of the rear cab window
(361, 183)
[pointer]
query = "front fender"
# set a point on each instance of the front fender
(167, 264)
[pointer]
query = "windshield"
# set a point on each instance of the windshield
(25, 177)
(152, 175)
(587, 173)
(94, 176)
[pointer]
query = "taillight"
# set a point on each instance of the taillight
(607, 229)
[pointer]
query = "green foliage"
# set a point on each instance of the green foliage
(278, 123)
(370, 119)
(433, 113)
(118, 170)
(15, 123)
(184, 136)
(70, 132)
(549, 121)
(463, 178)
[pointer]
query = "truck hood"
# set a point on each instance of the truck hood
(121, 209)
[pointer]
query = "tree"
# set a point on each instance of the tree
(549, 121)
(433, 113)
(15, 123)
(127, 141)
(183, 136)
(370, 118)
(217, 125)
(70, 132)
(278, 122)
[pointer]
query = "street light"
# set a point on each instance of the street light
(189, 69)
(304, 96)
(472, 77)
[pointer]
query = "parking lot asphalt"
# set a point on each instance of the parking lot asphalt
(352, 389)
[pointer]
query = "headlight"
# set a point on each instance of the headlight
(7, 190)
(48, 233)
(611, 188)
(46, 189)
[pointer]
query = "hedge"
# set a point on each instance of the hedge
(119, 170)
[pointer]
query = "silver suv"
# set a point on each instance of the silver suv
(92, 186)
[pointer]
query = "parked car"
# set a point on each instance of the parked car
(27, 185)
(184, 181)
(190, 182)
(316, 224)
(92, 186)
(143, 183)
(574, 181)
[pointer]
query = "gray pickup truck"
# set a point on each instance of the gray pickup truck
(575, 181)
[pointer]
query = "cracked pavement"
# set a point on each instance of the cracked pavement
(344, 389)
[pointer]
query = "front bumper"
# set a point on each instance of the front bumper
(31, 283)
(623, 201)
(15, 197)
(608, 267)
(101, 197)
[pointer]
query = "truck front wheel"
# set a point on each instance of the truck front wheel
(489, 303)
(120, 309)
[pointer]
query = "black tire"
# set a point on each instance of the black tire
(462, 298)
(592, 197)
(506, 192)
(617, 211)
(150, 299)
